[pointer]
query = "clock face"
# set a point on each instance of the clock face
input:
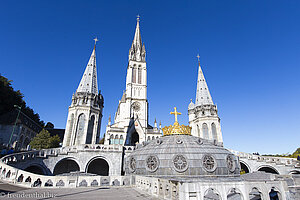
(136, 106)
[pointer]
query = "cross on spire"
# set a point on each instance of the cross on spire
(175, 113)
(138, 18)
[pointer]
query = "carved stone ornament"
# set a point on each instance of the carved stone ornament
(209, 163)
(136, 106)
(199, 141)
(152, 163)
(132, 164)
(230, 163)
(180, 163)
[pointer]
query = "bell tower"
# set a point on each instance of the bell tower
(85, 113)
(203, 114)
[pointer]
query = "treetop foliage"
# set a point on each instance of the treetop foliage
(9, 97)
(43, 140)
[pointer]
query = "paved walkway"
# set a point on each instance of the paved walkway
(8, 191)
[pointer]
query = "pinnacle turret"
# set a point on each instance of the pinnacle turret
(88, 81)
(203, 96)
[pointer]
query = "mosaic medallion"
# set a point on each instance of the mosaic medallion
(180, 163)
(230, 163)
(132, 164)
(152, 163)
(209, 163)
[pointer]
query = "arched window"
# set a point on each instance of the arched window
(198, 130)
(116, 139)
(121, 139)
(148, 138)
(80, 129)
(153, 137)
(134, 75)
(214, 131)
(139, 75)
(205, 131)
(90, 130)
(111, 139)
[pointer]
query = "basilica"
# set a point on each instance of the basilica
(172, 162)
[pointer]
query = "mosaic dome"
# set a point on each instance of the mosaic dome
(177, 155)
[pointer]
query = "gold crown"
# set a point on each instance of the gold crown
(176, 128)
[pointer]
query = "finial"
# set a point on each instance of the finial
(138, 18)
(96, 40)
(191, 100)
(198, 59)
(155, 120)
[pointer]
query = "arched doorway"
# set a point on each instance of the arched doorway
(134, 138)
(268, 170)
(244, 168)
(211, 194)
(35, 169)
(234, 194)
(98, 166)
(255, 194)
(274, 195)
(65, 166)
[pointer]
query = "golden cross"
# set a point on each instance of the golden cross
(198, 57)
(175, 113)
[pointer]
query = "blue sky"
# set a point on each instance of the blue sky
(249, 54)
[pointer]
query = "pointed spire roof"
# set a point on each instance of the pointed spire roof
(137, 51)
(137, 40)
(203, 95)
(88, 81)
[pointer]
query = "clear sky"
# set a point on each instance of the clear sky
(250, 55)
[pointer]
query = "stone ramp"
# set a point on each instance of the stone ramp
(99, 193)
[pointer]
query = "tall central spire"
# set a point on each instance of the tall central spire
(137, 51)
(203, 95)
(88, 81)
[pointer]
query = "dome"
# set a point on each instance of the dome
(177, 155)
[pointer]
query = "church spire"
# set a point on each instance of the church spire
(88, 81)
(203, 95)
(137, 51)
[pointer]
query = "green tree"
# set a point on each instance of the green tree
(54, 141)
(43, 140)
(9, 97)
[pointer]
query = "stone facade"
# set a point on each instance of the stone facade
(203, 114)
(85, 113)
(131, 119)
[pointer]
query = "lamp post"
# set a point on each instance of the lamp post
(16, 106)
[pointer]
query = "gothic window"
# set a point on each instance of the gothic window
(71, 122)
(205, 131)
(111, 139)
(90, 130)
(198, 130)
(121, 139)
(117, 139)
(139, 75)
(134, 75)
(148, 138)
(214, 131)
(80, 128)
